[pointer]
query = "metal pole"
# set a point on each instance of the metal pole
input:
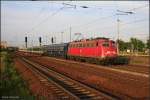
(32, 46)
(61, 37)
(26, 42)
(70, 33)
(123, 13)
(118, 31)
(137, 47)
(46, 39)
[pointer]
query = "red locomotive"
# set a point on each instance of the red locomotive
(98, 50)
(99, 47)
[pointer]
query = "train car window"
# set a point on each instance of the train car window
(83, 45)
(80, 45)
(87, 44)
(90, 44)
(96, 44)
(113, 44)
(76, 45)
(105, 44)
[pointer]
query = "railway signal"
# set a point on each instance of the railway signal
(26, 41)
(40, 40)
(52, 40)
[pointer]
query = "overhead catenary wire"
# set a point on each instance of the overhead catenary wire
(53, 14)
(77, 5)
(84, 25)
(82, 6)
(122, 25)
(140, 7)
(96, 20)
(136, 8)
(138, 28)
(38, 15)
(135, 21)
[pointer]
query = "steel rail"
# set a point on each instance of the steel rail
(79, 90)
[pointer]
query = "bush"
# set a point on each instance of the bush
(11, 83)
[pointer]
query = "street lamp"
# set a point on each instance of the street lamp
(118, 25)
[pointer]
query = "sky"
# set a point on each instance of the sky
(49, 19)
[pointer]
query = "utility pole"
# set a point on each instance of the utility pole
(61, 37)
(40, 41)
(32, 45)
(118, 31)
(118, 25)
(26, 41)
(70, 33)
(46, 39)
(52, 40)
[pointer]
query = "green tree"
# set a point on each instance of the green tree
(122, 45)
(137, 44)
(128, 45)
(148, 44)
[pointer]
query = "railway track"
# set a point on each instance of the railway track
(65, 87)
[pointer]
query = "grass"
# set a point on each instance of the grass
(12, 85)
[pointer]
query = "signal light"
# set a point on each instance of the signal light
(40, 39)
(25, 39)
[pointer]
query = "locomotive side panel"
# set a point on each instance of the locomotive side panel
(93, 48)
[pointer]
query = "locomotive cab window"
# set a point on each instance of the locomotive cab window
(105, 44)
(96, 44)
(113, 44)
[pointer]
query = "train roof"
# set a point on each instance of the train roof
(92, 39)
(61, 44)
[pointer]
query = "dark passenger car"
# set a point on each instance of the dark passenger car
(56, 50)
